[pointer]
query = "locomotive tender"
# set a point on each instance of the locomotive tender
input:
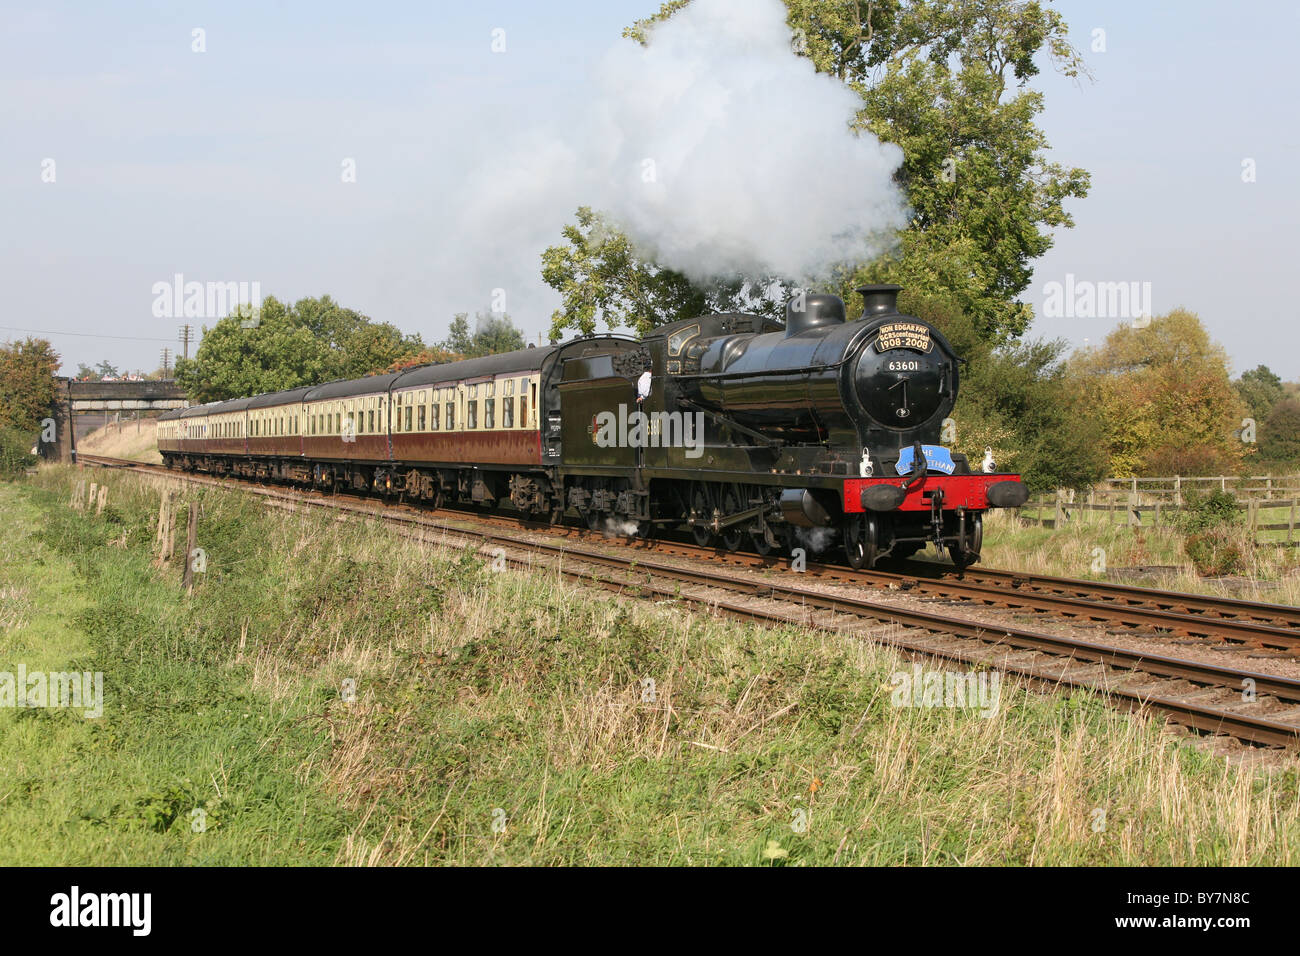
(744, 430)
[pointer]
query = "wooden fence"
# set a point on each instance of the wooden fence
(1270, 503)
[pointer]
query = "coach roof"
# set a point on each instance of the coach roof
(290, 396)
(346, 388)
(196, 411)
(523, 360)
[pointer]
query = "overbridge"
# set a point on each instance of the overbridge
(80, 398)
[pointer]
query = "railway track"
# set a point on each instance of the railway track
(1251, 705)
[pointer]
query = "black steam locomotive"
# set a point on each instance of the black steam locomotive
(736, 427)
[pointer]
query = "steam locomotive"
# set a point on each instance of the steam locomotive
(741, 430)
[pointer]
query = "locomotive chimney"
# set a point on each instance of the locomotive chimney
(879, 300)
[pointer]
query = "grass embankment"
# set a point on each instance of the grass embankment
(503, 718)
(133, 440)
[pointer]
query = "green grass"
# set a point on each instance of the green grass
(515, 698)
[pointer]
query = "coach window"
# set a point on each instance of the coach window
(489, 412)
(451, 416)
(421, 419)
(471, 414)
(433, 416)
(508, 412)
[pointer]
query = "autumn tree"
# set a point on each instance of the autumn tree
(431, 355)
(1163, 396)
(27, 383)
(1016, 400)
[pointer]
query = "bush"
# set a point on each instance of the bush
(1217, 510)
(1212, 524)
(15, 453)
(1216, 553)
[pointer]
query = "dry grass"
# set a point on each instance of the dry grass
(133, 440)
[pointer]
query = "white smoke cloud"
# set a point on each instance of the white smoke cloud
(715, 147)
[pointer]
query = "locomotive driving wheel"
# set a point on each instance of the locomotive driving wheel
(861, 542)
(734, 534)
(700, 506)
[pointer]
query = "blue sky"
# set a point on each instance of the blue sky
(226, 165)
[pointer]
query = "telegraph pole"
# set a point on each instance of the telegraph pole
(187, 332)
(166, 360)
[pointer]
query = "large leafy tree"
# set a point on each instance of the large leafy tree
(948, 81)
(27, 383)
(281, 346)
(1165, 399)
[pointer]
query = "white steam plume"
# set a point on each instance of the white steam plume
(715, 147)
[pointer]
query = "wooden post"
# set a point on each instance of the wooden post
(103, 499)
(1223, 483)
(1252, 513)
(1290, 524)
(164, 537)
(191, 540)
(79, 494)
(1059, 521)
(1178, 490)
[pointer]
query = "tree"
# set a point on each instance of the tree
(459, 340)
(1016, 399)
(948, 82)
(433, 355)
(1164, 398)
(99, 372)
(27, 383)
(492, 335)
(601, 275)
(279, 347)
(1279, 433)
(1260, 389)
(496, 334)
